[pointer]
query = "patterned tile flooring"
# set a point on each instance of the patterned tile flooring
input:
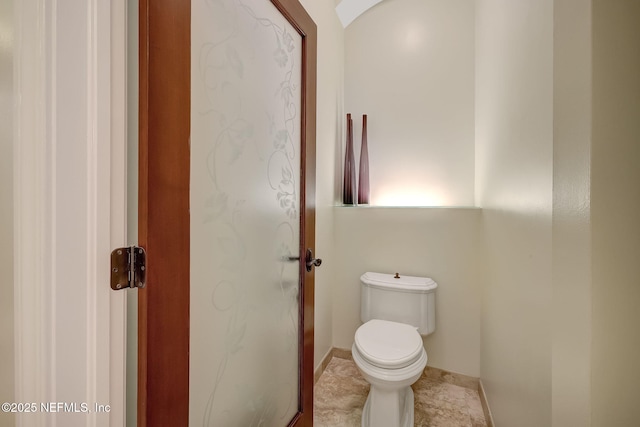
(341, 391)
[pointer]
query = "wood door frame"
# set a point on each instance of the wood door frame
(165, 92)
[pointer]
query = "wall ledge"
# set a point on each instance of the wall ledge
(407, 207)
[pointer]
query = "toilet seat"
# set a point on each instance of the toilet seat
(388, 345)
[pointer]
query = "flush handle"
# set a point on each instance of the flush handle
(311, 261)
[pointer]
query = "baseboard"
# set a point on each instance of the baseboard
(485, 405)
(449, 377)
(323, 365)
(340, 353)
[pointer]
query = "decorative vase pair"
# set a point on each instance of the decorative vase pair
(350, 194)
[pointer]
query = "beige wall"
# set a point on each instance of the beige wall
(441, 243)
(615, 213)
(6, 207)
(409, 65)
(328, 145)
(514, 167)
(571, 339)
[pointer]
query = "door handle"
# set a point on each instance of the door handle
(311, 261)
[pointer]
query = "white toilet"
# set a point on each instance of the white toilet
(388, 350)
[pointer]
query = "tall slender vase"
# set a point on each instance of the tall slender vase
(349, 187)
(363, 176)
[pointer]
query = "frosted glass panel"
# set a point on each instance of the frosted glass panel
(245, 207)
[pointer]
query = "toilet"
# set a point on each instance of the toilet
(388, 349)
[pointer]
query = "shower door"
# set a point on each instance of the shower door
(227, 178)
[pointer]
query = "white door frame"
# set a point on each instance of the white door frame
(70, 208)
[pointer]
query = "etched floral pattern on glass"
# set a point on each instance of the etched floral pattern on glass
(245, 212)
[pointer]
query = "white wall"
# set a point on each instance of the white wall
(514, 160)
(615, 213)
(6, 207)
(409, 65)
(441, 243)
(328, 145)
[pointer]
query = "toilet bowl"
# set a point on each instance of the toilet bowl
(388, 348)
(391, 357)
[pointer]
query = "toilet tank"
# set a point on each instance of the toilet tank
(398, 298)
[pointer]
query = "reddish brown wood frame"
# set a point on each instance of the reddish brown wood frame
(163, 218)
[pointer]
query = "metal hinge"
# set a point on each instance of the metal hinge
(128, 268)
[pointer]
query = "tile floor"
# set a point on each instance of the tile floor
(341, 391)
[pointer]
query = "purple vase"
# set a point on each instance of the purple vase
(349, 187)
(363, 176)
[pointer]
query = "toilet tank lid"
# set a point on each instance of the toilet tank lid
(407, 283)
